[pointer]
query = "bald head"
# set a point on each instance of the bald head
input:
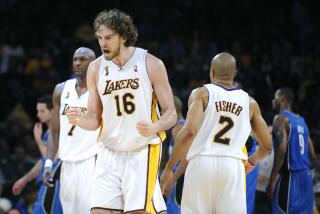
(82, 57)
(223, 67)
(87, 52)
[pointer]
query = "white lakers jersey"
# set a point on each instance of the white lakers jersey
(225, 124)
(127, 98)
(75, 143)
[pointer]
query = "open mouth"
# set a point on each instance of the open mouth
(106, 51)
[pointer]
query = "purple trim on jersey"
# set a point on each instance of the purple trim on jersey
(127, 62)
(227, 89)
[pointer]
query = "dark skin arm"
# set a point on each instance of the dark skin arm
(280, 129)
(53, 140)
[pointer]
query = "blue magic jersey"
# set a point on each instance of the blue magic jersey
(297, 154)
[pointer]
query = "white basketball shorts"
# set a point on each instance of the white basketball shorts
(75, 190)
(128, 181)
(214, 185)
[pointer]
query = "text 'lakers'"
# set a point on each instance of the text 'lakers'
(67, 106)
(121, 84)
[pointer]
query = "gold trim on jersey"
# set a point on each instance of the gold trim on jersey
(99, 138)
(245, 151)
(155, 116)
(154, 153)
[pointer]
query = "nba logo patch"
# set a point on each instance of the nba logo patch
(135, 68)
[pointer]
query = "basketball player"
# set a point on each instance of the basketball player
(174, 192)
(293, 191)
(47, 200)
(125, 84)
(218, 124)
(77, 147)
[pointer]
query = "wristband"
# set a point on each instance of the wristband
(48, 163)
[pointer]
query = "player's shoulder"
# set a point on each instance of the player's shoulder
(95, 64)
(93, 69)
(59, 87)
(200, 93)
(152, 60)
(253, 102)
(280, 118)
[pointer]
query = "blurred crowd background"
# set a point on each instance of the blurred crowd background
(276, 44)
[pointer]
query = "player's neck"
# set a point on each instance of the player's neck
(81, 83)
(224, 83)
(49, 124)
(81, 86)
(285, 108)
(124, 55)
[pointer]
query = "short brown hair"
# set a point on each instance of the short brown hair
(120, 22)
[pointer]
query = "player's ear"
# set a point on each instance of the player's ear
(123, 39)
(212, 73)
(235, 73)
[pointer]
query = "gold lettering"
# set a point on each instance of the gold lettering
(129, 83)
(66, 107)
(135, 84)
(106, 91)
(234, 105)
(224, 103)
(238, 111)
(228, 106)
(218, 106)
(118, 85)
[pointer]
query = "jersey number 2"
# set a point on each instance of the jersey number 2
(128, 106)
(228, 124)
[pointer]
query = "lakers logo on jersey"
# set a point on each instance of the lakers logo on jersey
(121, 84)
(68, 94)
(67, 106)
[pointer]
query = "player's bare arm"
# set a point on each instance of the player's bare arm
(91, 120)
(159, 79)
(37, 133)
(280, 129)
(32, 174)
(176, 175)
(197, 104)
(260, 130)
(54, 132)
(182, 166)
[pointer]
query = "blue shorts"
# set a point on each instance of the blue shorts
(174, 199)
(293, 193)
(251, 184)
(48, 200)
